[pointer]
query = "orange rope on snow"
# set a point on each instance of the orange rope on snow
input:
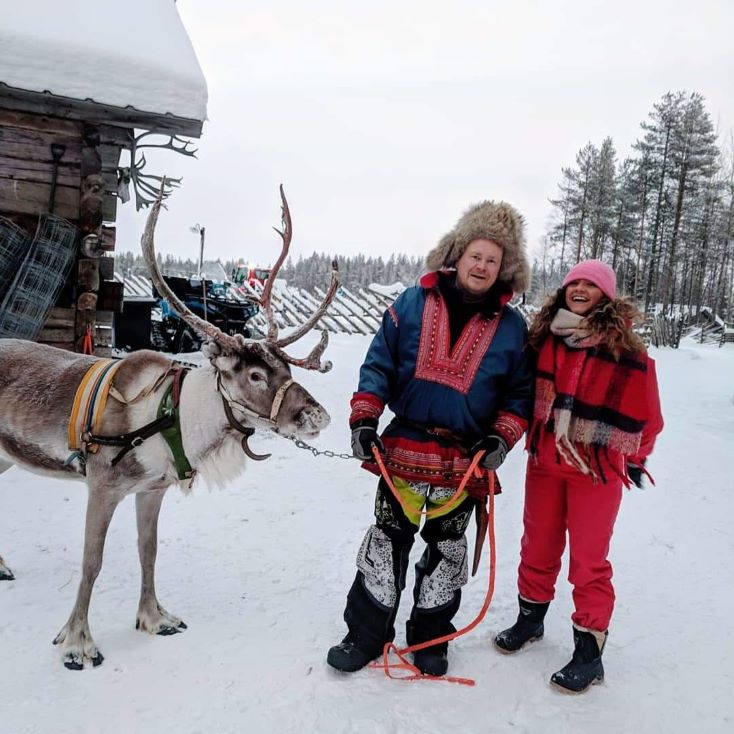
(412, 672)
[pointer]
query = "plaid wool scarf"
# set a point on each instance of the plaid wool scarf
(591, 400)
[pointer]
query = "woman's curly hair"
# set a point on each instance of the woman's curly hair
(612, 319)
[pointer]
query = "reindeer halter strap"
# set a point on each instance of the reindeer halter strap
(247, 431)
(229, 401)
(278, 399)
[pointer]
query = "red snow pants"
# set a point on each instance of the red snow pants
(559, 499)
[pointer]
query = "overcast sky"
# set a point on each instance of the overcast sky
(385, 120)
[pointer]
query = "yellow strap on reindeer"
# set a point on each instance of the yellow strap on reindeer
(89, 403)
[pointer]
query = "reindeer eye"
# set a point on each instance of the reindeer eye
(258, 376)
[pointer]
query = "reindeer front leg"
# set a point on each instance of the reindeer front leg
(152, 617)
(75, 638)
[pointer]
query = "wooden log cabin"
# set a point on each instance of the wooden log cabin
(64, 128)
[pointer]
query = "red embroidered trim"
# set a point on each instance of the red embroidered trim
(437, 362)
(393, 315)
(428, 462)
(510, 427)
(365, 405)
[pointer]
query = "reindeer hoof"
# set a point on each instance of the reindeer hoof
(160, 623)
(72, 661)
(6, 575)
(75, 661)
(171, 630)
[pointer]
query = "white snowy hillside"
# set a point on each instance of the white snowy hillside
(259, 571)
(106, 52)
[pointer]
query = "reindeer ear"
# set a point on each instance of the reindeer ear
(255, 350)
(211, 349)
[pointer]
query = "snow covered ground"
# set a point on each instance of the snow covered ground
(259, 571)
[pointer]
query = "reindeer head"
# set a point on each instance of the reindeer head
(253, 376)
(257, 384)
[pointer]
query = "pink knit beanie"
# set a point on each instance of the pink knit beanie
(596, 272)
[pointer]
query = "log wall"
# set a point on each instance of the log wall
(26, 176)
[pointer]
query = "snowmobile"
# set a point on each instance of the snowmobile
(219, 302)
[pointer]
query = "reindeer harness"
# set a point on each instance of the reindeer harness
(96, 387)
(248, 431)
(89, 404)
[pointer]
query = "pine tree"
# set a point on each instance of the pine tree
(560, 232)
(659, 131)
(664, 217)
(603, 186)
(693, 160)
(582, 178)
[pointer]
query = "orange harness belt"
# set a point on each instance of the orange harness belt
(89, 404)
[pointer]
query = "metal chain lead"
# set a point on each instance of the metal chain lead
(329, 454)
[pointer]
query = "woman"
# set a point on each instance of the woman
(450, 362)
(595, 419)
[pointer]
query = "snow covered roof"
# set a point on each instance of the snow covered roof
(133, 55)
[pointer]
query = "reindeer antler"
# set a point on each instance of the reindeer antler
(313, 360)
(148, 246)
(310, 362)
(285, 235)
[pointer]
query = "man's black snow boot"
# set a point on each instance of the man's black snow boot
(585, 667)
(529, 626)
(370, 625)
(432, 660)
(349, 657)
(425, 625)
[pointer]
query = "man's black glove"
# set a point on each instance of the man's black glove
(636, 474)
(495, 450)
(364, 437)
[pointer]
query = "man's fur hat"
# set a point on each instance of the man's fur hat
(491, 220)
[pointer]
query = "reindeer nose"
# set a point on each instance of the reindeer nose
(312, 419)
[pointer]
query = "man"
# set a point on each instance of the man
(450, 363)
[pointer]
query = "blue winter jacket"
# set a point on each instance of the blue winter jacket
(480, 385)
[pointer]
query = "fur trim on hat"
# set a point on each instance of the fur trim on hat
(491, 220)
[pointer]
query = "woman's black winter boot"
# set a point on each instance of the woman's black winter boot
(585, 667)
(529, 626)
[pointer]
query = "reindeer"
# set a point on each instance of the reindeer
(246, 384)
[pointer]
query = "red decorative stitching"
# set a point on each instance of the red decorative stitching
(510, 427)
(437, 362)
(393, 315)
(365, 405)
